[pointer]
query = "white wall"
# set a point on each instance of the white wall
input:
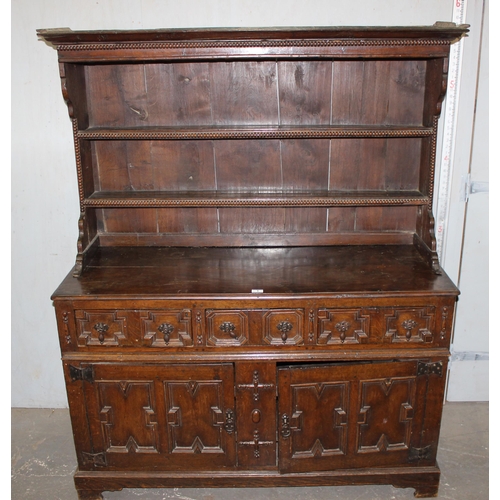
(468, 263)
(44, 190)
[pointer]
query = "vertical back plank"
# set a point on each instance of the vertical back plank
(252, 220)
(130, 220)
(178, 94)
(117, 95)
(341, 219)
(305, 164)
(244, 93)
(183, 165)
(378, 92)
(124, 165)
(406, 88)
(187, 220)
(305, 220)
(248, 166)
(304, 92)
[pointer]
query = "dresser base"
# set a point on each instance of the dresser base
(425, 480)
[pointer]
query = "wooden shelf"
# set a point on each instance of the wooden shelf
(162, 199)
(339, 269)
(252, 132)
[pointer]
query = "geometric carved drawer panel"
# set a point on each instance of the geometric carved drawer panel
(167, 328)
(101, 328)
(409, 324)
(343, 326)
(226, 327)
(283, 327)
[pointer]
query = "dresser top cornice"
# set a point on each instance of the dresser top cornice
(445, 31)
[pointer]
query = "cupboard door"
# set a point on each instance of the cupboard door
(351, 415)
(162, 417)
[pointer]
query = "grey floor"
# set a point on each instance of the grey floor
(43, 462)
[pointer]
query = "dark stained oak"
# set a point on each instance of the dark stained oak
(160, 271)
(257, 298)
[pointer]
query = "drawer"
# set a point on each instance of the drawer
(283, 327)
(343, 326)
(254, 327)
(166, 328)
(102, 328)
(383, 325)
(226, 327)
(196, 326)
(410, 325)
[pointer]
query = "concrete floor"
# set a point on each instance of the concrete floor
(43, 462)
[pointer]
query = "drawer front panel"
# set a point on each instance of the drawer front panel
(315, 325)
(102, 328)
(410, 325)
(226, 328)
(283, 327)
(167, 328)
(343, 326)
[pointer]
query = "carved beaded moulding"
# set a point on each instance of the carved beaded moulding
(251, 43)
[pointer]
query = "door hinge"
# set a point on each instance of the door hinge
(417, 454)
(86, 373)
(95, 459)
(424, 368)
(472, 187)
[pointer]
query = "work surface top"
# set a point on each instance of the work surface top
(160, 272)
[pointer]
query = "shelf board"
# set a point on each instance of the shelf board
(253, 132)
(163, 199)
(163, 271)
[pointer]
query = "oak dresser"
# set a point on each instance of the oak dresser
(257, 299)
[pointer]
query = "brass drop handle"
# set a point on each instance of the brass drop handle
(342, 327)
(166, 329)
(409, 325)
(101, 329)
(284, 327)
(228, 328)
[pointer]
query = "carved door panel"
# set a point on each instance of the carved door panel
(166, 418)
(354, 415)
